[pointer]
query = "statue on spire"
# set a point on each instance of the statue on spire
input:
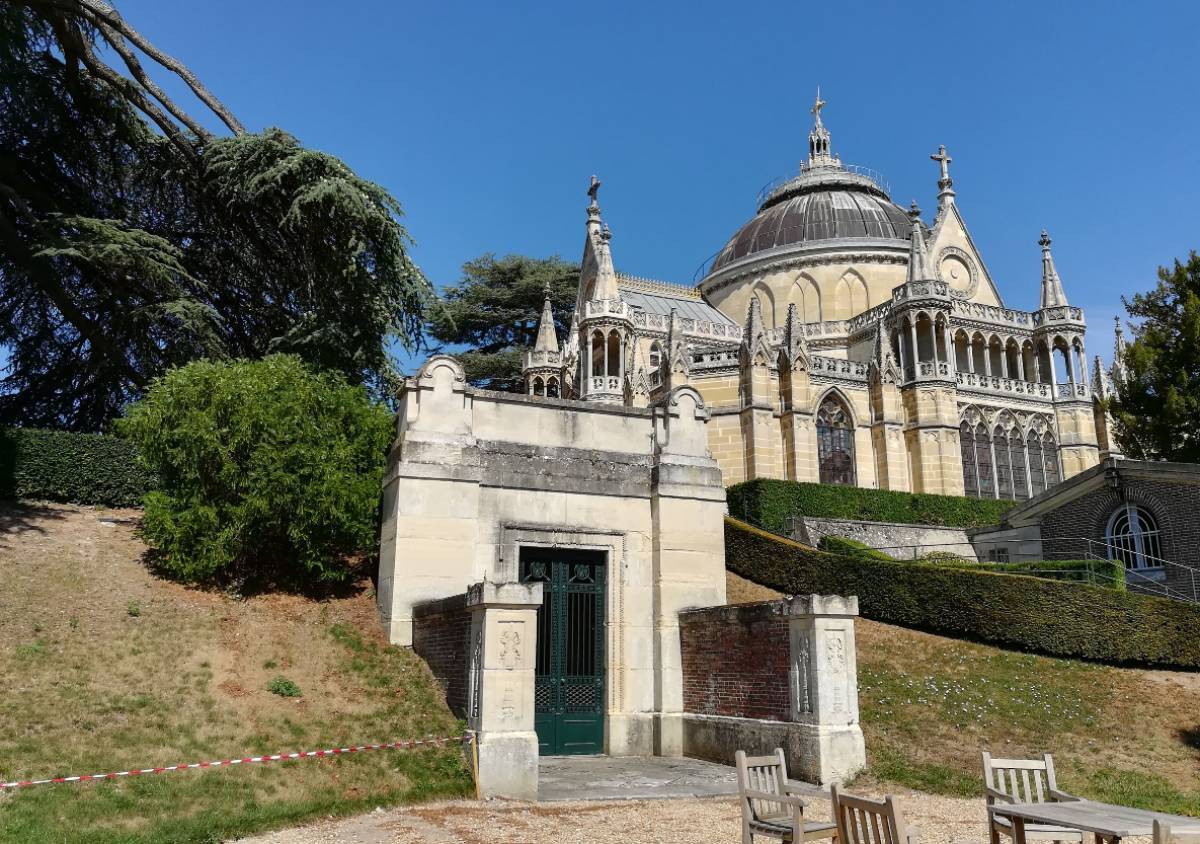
(818, 139)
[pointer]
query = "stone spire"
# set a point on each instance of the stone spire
(605, 284)
(918, 257)
(754, 336)
(1119, 351)
(547, 336)
(1052, 289)
(819, 154)
(945, 183)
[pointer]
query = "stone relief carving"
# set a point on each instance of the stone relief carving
(510, 646)
(803, 690)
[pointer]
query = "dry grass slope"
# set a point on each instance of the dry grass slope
(929, 705)
(106, 667)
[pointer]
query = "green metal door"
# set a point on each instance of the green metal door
(569, 686)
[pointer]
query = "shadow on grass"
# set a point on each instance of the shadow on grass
(360, 574)
(17, 518)
(1191, 737)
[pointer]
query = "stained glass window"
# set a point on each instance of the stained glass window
(835, 443)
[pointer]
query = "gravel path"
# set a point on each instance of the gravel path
(941, 820)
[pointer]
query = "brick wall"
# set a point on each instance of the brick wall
(1174, 506)
(735, 661)
(442, 637)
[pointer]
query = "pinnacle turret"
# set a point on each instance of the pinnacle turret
(1053, 295)
(918, 257)
(547, 336)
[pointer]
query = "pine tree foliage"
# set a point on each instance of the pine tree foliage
(494, 310)
(133, 239)
(1157, 406)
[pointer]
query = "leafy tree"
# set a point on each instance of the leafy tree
(267, 470)
(494, 312)
(1157, 405)
(133, 239)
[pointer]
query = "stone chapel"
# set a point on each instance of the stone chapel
(839, 338)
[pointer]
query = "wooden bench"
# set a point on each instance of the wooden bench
(771, 806)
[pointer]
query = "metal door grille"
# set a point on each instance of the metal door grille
(569, 682)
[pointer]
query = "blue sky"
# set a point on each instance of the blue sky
(486, 120)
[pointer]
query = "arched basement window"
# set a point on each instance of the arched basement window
(835, 443)
(1133, 538)
(966, 439)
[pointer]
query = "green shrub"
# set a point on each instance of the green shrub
(266, 470)
(1107, 573)
(70, 467)
(846, 545)
(1042, 616)
(768, 504)
(283, 687)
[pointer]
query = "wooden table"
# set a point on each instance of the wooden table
(1107, 822)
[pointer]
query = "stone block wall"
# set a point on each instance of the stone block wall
(735, 661)
(899, 540)
(442, 637)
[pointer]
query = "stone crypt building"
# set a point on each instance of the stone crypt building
(558, 556)
(840, 338)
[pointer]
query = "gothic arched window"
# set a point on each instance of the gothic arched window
(538, 387)
(966, 439)
(655, 364)
(1133, 538)
(1037, 471)
(1050, 451)
(552, 388)
(983, 459)
(1003, 465)
(835, 443)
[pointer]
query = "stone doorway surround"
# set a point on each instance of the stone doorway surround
(514, 536)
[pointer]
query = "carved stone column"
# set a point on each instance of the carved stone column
(824, 688)
(500, 702)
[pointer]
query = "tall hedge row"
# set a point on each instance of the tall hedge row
(768, 504)
(1043, 616)
(69, 467)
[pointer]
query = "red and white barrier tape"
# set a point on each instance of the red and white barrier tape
(221, 763)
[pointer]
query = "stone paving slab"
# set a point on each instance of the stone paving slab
(631, 778)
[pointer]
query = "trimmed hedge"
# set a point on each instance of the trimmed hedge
(1030, 614)
(1109, 574)
(768, 503)
(70, 467)
(846, 545)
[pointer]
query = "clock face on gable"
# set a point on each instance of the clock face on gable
(956, 268)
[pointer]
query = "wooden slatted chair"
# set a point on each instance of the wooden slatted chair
(1164, 835)
(771, 806)
(1024, 781)
(861, 820)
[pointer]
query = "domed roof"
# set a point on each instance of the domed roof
(827, 202)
